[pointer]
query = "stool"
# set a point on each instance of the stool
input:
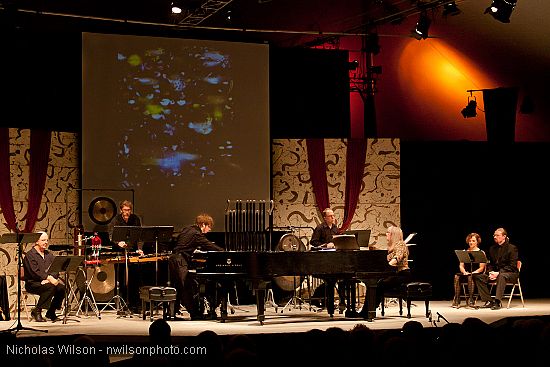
(421, 291)
(151, 294)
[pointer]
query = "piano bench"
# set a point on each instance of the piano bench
(152, 294)
(413, 291)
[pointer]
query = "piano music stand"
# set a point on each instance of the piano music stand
(66, 264)
(19, 239)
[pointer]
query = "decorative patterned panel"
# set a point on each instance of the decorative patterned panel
(63, 170)
(379, 200)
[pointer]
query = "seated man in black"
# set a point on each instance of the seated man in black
(190, 239)
(322, 238)
(39, 281)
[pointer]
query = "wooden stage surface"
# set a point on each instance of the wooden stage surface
(290, 320)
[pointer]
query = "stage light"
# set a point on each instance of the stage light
(501, 10)
(422, 27)
(352, 65)
(176, 8)
(451, 9)
(471, 109)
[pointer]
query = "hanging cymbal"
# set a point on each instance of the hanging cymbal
(102, 210)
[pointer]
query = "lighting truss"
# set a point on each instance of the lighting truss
(206, 10)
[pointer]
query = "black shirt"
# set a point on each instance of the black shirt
(323, 234)
(36, 267)
(503, 258)
(133, 221)
(192, 238)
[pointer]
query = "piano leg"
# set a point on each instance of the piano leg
(260, 290)
(369, 307)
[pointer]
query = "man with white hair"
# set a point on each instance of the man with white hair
(38, 280)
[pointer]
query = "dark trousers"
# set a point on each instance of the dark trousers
(51, 296)
(184, 284)
(482, 284)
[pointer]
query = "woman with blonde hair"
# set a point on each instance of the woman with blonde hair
(398, 257)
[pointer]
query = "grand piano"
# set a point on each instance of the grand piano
(260, 267)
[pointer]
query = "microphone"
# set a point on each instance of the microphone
(440, 316)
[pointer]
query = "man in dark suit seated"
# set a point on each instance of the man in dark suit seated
(39, 281)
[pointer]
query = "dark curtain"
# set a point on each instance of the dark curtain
(6, 198)
(39, 157)
(500, 114)
(318, 171)
(355, 166)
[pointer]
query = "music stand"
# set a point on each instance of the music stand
(471, 257)
(128, 234)
(157, 233)
(66, 264)
(19, 239)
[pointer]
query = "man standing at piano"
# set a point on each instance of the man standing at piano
(190, 239)
(322, 238)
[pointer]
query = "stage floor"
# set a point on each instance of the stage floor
(291, 320)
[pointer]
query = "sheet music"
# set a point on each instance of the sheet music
(409, 237)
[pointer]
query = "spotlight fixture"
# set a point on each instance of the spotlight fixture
(451, 9)
(422, 27)
(352, 65)
(501, 10)
(471, 108)
(176, 8)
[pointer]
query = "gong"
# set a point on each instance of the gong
(102, 210)
(102, 278)
(289, 242)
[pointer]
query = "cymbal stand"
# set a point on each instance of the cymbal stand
(231, 307)
(88, 300)
(270, 300)
(296, 301)
(68, 301)
(121, 307)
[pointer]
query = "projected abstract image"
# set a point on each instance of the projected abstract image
(181, 103)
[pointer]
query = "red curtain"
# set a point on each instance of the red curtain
(355, 165)
(6, 197)
(39, 158)
(318, 171)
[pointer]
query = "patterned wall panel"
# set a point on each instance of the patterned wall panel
(379, 200)
(63, 170)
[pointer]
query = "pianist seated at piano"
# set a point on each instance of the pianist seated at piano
(190, 239)
(398, 258)
(322, 234)
(322, 239)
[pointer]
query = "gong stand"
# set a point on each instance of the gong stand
(121, 307)
(88, 300)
